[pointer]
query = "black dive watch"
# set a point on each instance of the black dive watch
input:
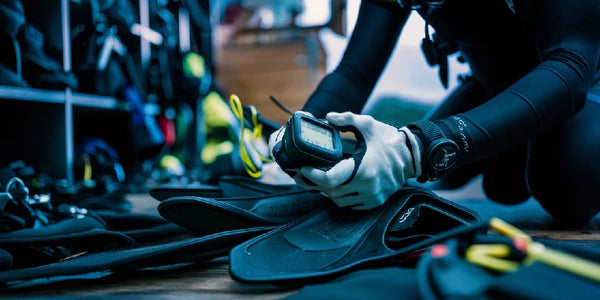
(440, 154)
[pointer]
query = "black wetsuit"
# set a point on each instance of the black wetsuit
(526, 117)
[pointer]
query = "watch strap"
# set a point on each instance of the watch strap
(428, 131)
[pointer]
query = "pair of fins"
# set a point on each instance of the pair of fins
(311, 239)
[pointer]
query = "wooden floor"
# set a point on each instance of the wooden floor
(211, 280)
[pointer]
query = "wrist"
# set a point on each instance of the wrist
(415, 146)
(439, 154)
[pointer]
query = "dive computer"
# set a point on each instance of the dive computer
(308, 141)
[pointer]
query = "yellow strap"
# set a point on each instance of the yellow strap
(87, 168)
(251, 168)
(257, 131)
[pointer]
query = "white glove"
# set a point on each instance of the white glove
(389, 157)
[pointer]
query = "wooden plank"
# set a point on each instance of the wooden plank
(574, 235)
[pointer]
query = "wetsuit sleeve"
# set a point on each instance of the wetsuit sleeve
(569, 42)
(348, 87)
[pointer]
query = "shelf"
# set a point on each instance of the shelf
(30, 94)
(58, 97)
(96, 101)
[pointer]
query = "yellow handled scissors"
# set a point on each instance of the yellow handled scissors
(495, 256)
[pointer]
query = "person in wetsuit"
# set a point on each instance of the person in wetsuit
(528, 117)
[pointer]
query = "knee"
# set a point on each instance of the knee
(567, 200)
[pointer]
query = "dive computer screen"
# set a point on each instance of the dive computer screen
(316, 135)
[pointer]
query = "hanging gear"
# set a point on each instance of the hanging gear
(234, 138)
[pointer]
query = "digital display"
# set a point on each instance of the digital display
(316, 135)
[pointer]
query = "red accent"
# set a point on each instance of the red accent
(167, 126)
(439, 251)
(520, 243)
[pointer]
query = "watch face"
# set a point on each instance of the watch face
(444, 157)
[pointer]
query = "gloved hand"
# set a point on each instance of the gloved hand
(385, 158)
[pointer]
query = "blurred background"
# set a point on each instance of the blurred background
(315, 45)
(125, 95)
